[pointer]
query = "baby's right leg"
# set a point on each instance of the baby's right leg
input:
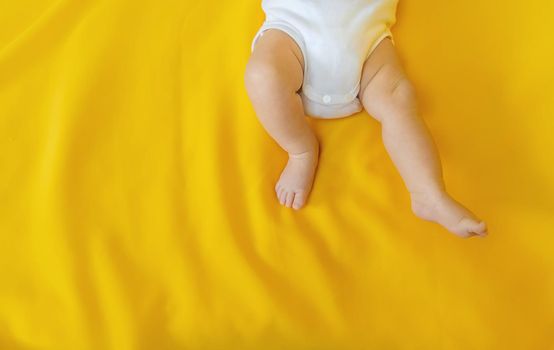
(273, 78)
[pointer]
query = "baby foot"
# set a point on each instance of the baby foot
(446, 211)
(296, 180)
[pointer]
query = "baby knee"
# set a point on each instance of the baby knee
(260, 75)
(402, 92)
(389, 90)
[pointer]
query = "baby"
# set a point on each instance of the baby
(328, 59)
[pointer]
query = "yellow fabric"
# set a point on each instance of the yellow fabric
(136, 187)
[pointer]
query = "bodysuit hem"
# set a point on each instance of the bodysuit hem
(311, 99)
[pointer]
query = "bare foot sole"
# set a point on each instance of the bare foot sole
(295, 183)
(446, 211)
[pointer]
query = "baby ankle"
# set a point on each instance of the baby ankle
(303, 155)
(310, 150)
(429, 195)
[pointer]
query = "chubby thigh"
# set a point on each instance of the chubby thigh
(384, 84)
(276, 56)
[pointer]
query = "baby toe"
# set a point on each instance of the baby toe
(289, 199)
(470, 227)
(278, 192)
(481, 229)
(299, 200)
(283, 196)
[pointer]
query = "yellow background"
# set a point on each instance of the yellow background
(136, 187)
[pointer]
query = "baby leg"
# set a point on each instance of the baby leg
(388, 96)
(274, 75)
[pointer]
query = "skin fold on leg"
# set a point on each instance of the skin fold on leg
(273, 77)
(388, 96)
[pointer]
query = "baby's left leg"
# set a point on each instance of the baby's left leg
(388, 96)
(273, 78)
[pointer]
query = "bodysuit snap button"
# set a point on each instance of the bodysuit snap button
(326, 99)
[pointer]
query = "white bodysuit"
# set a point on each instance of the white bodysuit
(336, 37)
